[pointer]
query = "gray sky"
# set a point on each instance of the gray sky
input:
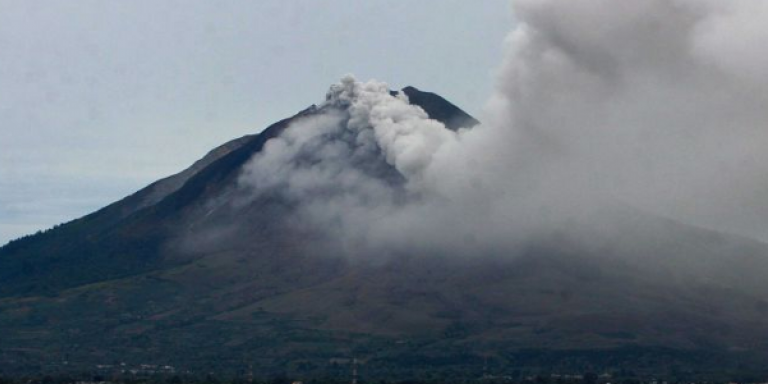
(100, 98)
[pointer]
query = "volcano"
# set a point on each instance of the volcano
(194, 273)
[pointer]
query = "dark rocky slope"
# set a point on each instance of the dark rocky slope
(120, 285)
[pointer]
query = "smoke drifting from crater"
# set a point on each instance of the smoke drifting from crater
(658, 106)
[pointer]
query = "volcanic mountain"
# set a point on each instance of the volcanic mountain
(198, 272)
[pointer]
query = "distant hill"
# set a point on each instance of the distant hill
(120, 286)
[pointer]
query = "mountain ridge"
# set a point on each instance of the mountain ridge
(148, 277)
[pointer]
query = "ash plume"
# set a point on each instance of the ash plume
(601, 109)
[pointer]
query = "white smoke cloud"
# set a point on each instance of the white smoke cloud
(353, 164)
(657, 105)
(645, 104)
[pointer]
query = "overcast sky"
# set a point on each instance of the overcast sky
(100, 98)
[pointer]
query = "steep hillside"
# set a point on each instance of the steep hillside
(187, 272)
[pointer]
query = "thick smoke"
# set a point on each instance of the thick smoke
(659, 105)
(602, 108)
(356, 168)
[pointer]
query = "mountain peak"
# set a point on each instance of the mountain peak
(440, 109)
(199, 270)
